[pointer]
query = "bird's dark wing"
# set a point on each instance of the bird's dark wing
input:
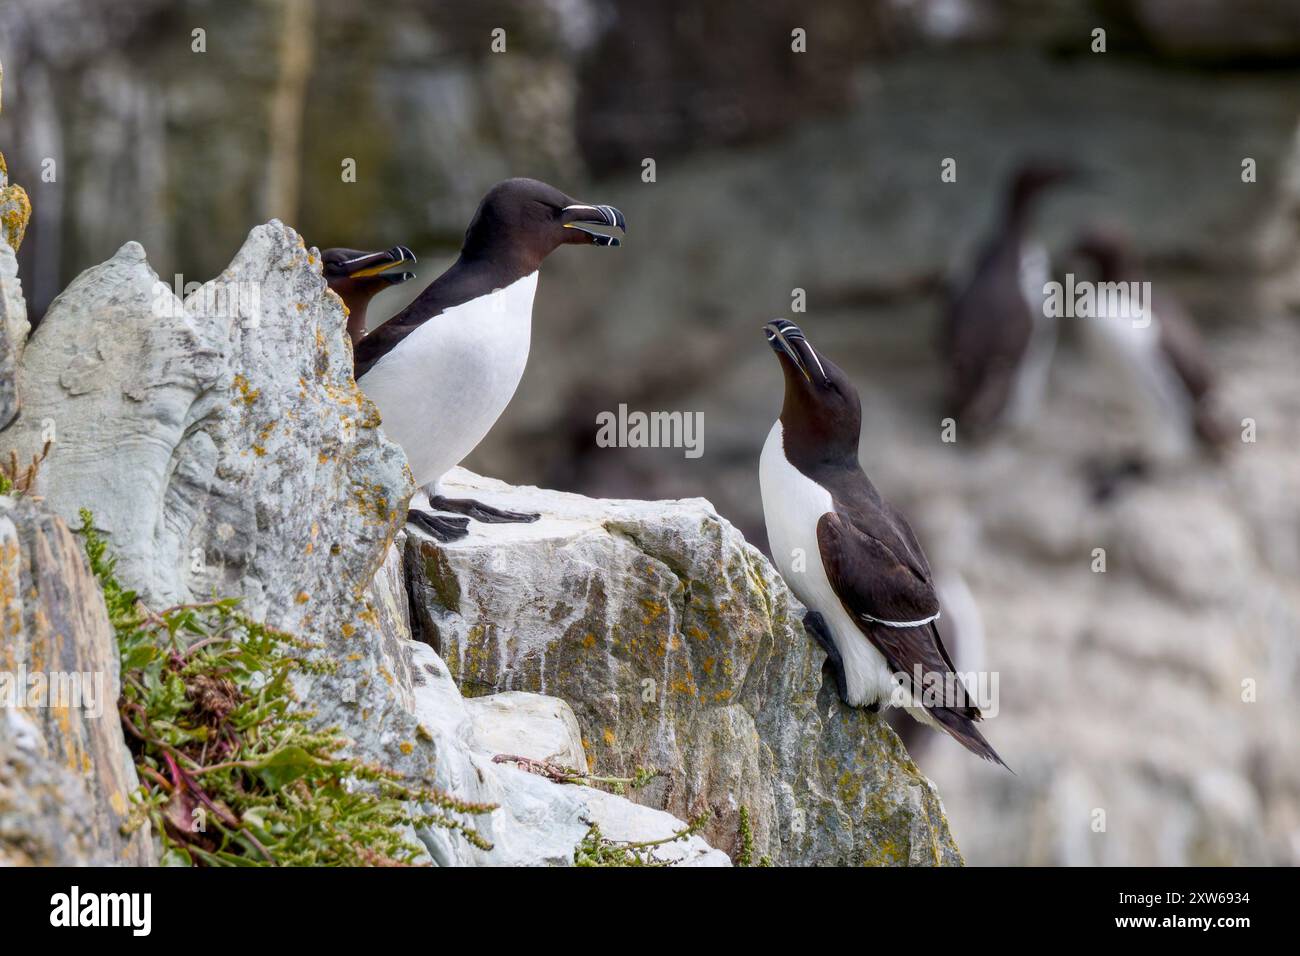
(1182, 345)
(874, 581)
(909, 538)
(880, 592)
(1185, 352)
(876, 586)
(988, 327)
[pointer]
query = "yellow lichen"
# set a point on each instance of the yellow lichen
(15, 211)
(247, 394)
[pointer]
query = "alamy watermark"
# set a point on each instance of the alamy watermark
(635, 429)
(133, 911)
(36, 690)
(1090, 300)
(214, 300)
(947, 689)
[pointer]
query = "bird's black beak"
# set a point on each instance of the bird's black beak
(788, 339)
(599, 222)
(380, 264)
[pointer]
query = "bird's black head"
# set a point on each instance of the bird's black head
(1034, 177)
(522, 221)
(822, 414)
(1108, 249)
(357, 275)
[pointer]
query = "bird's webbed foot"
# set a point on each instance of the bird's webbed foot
(442, 527)
(815, 625)
(479, 511)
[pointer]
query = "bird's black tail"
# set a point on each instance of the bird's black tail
(960, 725)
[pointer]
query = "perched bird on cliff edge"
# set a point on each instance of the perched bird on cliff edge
(358, 277)
(1159, 354)
(849, 556)
(443, 369)
(996, 338)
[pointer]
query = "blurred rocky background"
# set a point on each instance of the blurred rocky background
(778, 171)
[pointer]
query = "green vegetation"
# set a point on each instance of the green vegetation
(561, 774)
(596, 850)
(18, 480)
(232, 772)
(745, 837)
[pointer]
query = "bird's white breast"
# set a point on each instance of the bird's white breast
(792, 505)
(1148, 383)
(444, 386)
(1031, 377)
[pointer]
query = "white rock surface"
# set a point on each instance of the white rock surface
(629, 822)
(528, 725)
(679, 648)
(223, 448)
(13, 332)
(539, 822)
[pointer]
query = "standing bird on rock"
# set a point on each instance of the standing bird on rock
(358, 277)
(1159, 353)
(443, 369)
(997, 340)
(849, 555)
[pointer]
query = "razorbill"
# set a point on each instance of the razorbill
(849, 556)
(997, 339)
(1159, 354)
(443, 369)
(358, 277)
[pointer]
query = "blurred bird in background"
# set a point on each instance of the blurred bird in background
(996, 338)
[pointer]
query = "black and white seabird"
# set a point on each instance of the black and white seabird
(998, 341)
(359, 276)
(961, 630)
(443, 369)
(1159, 354)
(848, 555)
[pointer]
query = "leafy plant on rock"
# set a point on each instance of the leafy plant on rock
(598, 850)
(232, 771)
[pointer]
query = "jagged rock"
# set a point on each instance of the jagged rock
(66, 776)
(224, 448)
(628, 822)
(13, 333)
(678, 647)
(15, 208)
(539, 822)
(233, 420)
(528, 725)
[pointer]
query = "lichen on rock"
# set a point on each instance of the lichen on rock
(66, 776)
(679, 648)
(225, 450)
(15, 207)
(13, 333)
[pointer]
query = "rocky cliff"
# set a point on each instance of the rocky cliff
(66, 779)
(224, 449)
(680, 649)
